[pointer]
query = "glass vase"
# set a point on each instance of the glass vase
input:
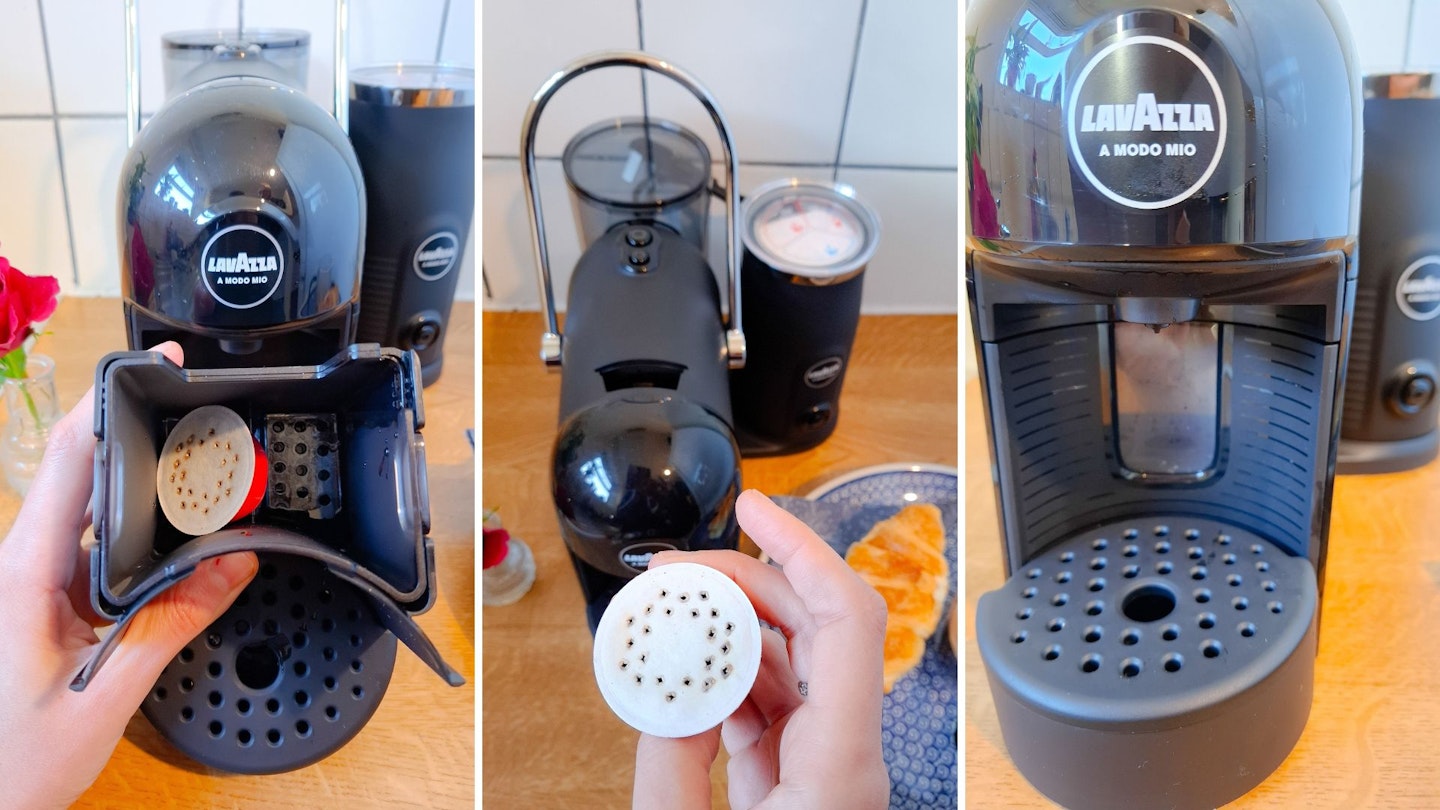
(32, 409)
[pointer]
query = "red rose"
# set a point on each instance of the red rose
(23, 301)
(496, 544)
(984, 214)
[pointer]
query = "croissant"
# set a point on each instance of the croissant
(903, 558)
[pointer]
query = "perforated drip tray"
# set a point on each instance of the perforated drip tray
(288, 675)
(1163, 663)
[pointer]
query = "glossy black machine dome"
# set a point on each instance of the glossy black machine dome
(241, 214)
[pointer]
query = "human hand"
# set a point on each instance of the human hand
(54, 742)
(816, 748)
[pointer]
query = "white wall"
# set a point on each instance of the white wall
(860, 91)
(63, 94)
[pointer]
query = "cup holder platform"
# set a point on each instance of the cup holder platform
(1163, 663)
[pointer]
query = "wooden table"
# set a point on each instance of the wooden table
(1373, 739)
(549, 740)
(419, 748)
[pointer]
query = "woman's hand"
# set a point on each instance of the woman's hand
(808, 735)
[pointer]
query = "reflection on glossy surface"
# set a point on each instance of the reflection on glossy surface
(644, 466)
(249, 152)
(1276, 180)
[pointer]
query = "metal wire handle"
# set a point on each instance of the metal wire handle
(132, 68)
(552, 341)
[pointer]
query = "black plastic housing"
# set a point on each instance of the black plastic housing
(645, 457)
(799, 334)
(1390, 393)
(419, 165)
(1163, 204)
(241, 216)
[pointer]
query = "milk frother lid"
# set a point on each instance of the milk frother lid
(820, 231)
(413, 85)
(1400, 86)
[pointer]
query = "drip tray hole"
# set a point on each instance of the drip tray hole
(1148, 603)
(257, 665)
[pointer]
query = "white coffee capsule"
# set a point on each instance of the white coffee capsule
(677, 650)
(208, 474)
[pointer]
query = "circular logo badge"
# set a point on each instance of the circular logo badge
(1146, 122)
(436, 255)
(824, 372)
(1418, 291)
(637, 557)
(241, 266)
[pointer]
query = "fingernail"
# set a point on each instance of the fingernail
(662, 557)
(234, 570)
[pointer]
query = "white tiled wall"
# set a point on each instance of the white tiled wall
(67, 229)
(860, 91)
(1387, 32)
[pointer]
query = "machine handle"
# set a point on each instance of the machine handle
(552, 341)
(132, 68)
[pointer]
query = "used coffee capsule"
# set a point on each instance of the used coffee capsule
(677, 650)
(212, 471)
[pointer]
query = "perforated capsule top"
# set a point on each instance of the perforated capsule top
(677, 650)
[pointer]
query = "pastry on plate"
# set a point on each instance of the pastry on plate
(903, 557)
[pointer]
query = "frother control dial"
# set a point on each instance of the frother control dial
(1414, 391)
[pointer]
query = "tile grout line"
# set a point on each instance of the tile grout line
(444, 26)
(59, 147)
(1409, 36)
(849, 92)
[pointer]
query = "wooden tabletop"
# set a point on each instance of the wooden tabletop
(1373, 739)
(549, 740)
(418, 750)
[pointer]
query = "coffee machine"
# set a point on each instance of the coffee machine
(1163, 205)
(242, 227)
(645, 457)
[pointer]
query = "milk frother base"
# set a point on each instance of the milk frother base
(1355, 457)
(1157, 662)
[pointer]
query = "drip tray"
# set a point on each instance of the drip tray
(284, 678)
(1167, 663)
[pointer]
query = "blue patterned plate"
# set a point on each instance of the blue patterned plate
(920, 724)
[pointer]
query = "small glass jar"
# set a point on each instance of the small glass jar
(32, 409)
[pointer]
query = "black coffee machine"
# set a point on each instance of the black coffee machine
(1163, 208)
(645, 457)
(242, 225)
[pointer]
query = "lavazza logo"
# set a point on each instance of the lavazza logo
(824, 372)
(1417, 293)
(436, 256)
(637, 557)
(242, 266)
(1147, 129)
